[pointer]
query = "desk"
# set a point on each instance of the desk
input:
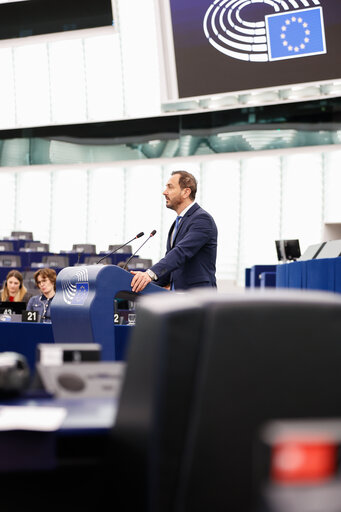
(318, 274)
(75, 474)
(24, 338)
(65, 470)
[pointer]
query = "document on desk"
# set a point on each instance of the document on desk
(44, 419)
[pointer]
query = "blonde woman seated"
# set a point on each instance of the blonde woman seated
(14, 289)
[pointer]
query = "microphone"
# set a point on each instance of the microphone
(118, 248)
(150, 236)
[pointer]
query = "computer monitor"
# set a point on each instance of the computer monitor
(288, 250)
(331, 249)
(312, 251)
(12, 308)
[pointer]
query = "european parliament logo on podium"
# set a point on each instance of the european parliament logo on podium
(75, 286)
(82, 290)
(295, 34)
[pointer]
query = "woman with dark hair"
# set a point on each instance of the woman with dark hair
(14, 289)
(45, 279)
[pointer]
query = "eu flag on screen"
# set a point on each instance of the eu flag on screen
(298, 33)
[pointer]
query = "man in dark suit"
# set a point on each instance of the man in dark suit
(192, 242)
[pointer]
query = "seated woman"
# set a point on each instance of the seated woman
(45, 279)
(14, 289)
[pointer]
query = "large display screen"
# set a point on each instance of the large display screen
(235, 45)
(35, 17)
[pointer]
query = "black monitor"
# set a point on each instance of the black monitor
(36, 17)
(288, 250)
(12, 308)
(216, 47)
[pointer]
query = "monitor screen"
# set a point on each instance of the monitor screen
(312, 251)
(12, 307)
(226, 46)
(288, 250)
(35, 17)
(331, 249)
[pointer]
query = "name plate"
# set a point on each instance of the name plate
(30, 316)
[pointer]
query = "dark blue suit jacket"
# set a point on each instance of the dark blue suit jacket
(191, 261)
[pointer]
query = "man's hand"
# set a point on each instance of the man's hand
(139, 281)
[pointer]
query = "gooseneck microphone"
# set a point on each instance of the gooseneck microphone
(118, 248)
(150, 236)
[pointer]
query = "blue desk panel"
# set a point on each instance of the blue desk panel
(247, 277)
(337, 275)
(282, 276)
(268, 280)
(24, 338)
(320, 274)
(256, 272)
(297, 274)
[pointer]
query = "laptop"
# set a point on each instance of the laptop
(12, 307)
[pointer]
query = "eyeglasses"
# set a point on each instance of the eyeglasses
(41, 281)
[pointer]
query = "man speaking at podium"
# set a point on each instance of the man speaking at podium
(192, 242)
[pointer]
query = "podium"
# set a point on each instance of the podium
(82, 310)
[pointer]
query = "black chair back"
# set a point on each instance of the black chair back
(22, 235)
(266, 356)
(87, 248)
(153, 414)
(37, 246)
(56, 261)
(10, 260)
(6, 246)
(139, 264)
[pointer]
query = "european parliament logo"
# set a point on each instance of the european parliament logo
(75, 286)
(241, 30)
(82, 290)
(296, 34)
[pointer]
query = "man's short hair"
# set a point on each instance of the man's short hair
(187, 180)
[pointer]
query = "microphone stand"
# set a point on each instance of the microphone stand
(150, 236)
(118, 248)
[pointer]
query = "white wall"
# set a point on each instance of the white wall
(83, 76)
(254, 198)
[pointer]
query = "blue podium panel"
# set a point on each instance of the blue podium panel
(337, 275)
(268, 280)
(256, 272)
(282, 276)
(83, 308)
(320, 274)
(24, 338)
(247, 277)
(122, 337)
(297, 274)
